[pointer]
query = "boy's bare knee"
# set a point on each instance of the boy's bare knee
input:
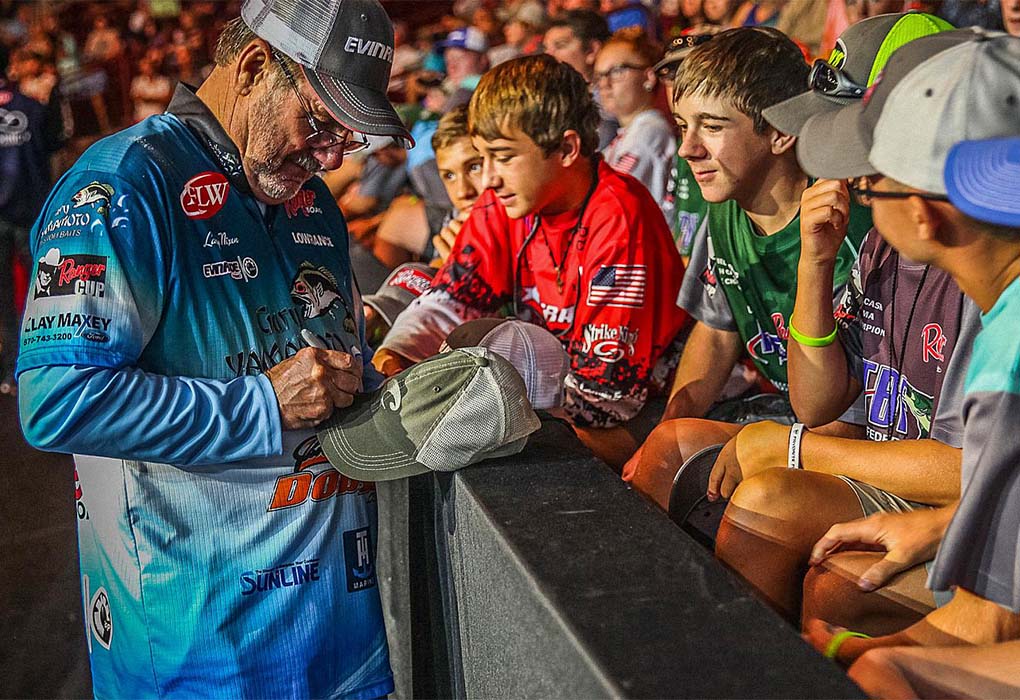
(767, 493)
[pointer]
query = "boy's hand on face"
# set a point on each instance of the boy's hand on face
(824, 216)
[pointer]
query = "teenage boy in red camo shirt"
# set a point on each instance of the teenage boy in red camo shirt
(561, 240)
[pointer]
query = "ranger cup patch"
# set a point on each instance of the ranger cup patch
(73, 274)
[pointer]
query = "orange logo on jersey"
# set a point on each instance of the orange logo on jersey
(295, 489)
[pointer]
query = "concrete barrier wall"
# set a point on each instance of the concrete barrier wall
(544, 575)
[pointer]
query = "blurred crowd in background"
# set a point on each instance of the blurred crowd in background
(100, 66)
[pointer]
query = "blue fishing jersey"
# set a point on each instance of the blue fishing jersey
(220, 555)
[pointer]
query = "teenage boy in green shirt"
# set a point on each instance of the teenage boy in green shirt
(743, 267)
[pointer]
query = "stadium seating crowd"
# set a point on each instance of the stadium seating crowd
(777, 240)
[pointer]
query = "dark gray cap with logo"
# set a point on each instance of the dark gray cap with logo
(861, 53)
(345, 48)
(934, 92)
(442, 414)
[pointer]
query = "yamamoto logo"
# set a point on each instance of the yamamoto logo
(239, 269)
(298, 488)
(101, 617)
(367, 47)
(933, 340)
(76, 274)
(204, 195)
(358, 553)
(316, 288)
(93, 193)
(608, 343)
(283, 576)
(302, 203)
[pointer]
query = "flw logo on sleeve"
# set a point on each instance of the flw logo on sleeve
(204, 195)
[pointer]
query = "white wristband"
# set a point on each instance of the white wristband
(793, 454)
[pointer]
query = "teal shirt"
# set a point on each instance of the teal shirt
(981, 548)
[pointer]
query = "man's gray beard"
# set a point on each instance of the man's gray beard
(266, 173)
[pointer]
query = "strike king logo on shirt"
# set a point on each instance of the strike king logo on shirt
(889, 396)
(70, 275)
(608, 343)
(306, 485)
(204, 195)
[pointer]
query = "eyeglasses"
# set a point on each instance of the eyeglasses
(832, 82)
(616, 72)
(861, 188)
(323, 139)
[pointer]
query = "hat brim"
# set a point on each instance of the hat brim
(358, 108)
(835, 145)
(673, 59)
(981, 179)
(387, 307)
(790, 115)
(351, 431)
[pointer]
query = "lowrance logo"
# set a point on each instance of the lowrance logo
(204, 195)
(367, 47)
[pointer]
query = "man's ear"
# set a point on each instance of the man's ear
(780, 142)
(929, 222)
(252, 66)
(593, 50)
(570, 149)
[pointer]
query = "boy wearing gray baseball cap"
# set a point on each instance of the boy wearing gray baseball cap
(901, 145)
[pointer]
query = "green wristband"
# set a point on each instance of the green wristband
(810, 341)
(832, 648)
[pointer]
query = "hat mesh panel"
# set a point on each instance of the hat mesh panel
(537, 356)
(491, 414)
(307, 22)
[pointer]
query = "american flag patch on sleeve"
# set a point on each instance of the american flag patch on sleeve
(626, 163)
(618, 285)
